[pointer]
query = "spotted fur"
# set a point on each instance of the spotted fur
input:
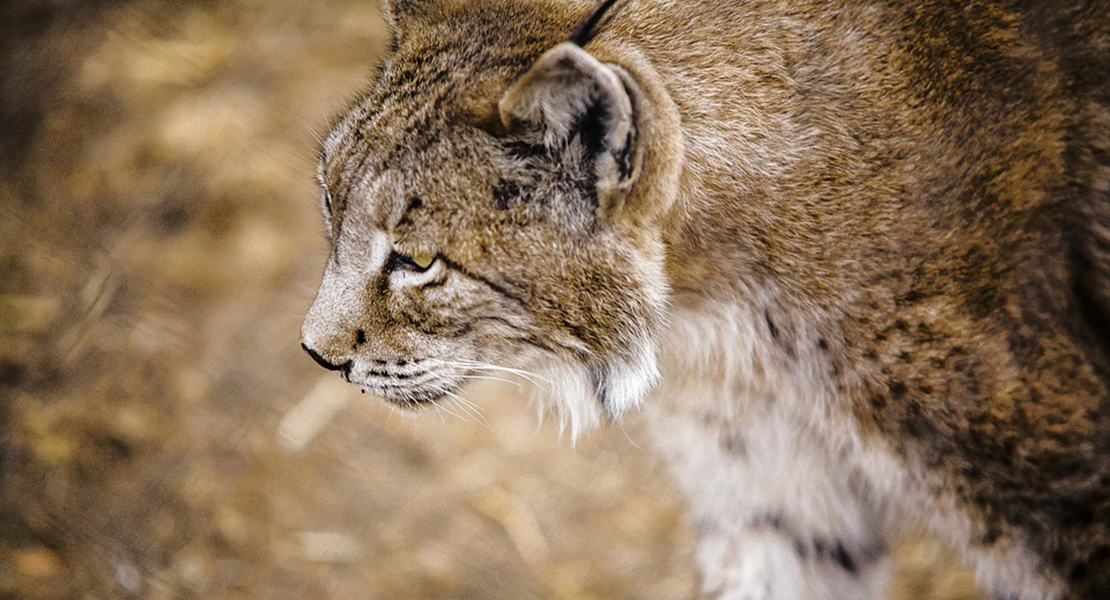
(855, 256)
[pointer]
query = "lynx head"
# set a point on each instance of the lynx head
(483, 203)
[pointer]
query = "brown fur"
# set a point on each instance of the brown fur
(925, 185)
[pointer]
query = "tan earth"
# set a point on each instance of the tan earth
(162, 435)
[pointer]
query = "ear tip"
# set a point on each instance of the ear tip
(566, 55)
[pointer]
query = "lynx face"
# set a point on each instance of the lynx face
(476, 217)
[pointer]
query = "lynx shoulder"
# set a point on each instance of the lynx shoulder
(853, 259)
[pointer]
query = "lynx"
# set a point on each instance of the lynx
(852, 258)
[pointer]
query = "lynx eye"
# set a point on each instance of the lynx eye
(418, 262)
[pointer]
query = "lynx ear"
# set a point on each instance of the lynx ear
(571, 97)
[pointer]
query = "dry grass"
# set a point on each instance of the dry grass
(162, 435)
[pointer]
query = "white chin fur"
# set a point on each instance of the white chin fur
(581, 395)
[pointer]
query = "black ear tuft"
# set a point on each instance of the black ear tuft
(588, 29)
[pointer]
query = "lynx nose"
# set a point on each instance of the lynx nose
(323, 362)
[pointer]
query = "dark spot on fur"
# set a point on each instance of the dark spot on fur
(505, 193)
(1078, 572)
(360, 337)
(842, 558)
(460, 331)
(581, 333)
(897, 389)
(1075, 512)
(878, 402)
(972, 472)
(911, 297)
(822, 344)
(991, 535)
(733, 444)
(1096, 313)
(705, 527)
(915, 424)
(532, 340)
(770, 520)
(415, 203)
(825, 550)
(771, 325)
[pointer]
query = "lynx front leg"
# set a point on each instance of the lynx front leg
(779, 511)
(751, 564)
(766, 561)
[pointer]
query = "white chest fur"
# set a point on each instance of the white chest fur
(789, 499)
(768, 462)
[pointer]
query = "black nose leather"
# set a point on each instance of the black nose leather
(323, 362)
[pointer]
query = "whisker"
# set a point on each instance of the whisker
(493, 378)
(521, 372)
(454, 414)
(474, 408)
(486, 365)
(471, 409)
(460, 398)
(528, 375)
(628, 437)
(439, 412)
(467, 403)
(312, 130)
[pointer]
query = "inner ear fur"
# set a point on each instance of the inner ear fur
(568, 92)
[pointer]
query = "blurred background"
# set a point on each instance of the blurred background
(162, 435)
